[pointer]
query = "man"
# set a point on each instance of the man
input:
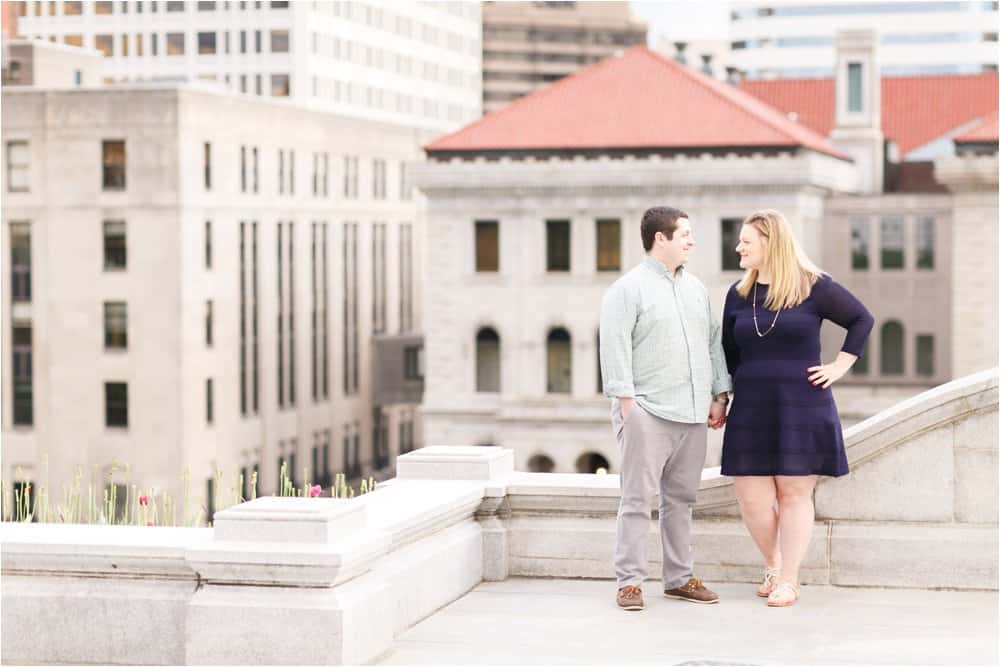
(664, 369)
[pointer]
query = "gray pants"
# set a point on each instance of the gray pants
(656, 454)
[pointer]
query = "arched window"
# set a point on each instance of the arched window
(892, 348)
(560, 361)
(541, 463)
(487, 360)
(591, 462)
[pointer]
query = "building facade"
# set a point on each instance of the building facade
(415, 64)
(528, 235)
(528, 45)
(188, 291)
(796, 39)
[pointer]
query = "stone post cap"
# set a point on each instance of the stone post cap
(459, 462)
(301, 520)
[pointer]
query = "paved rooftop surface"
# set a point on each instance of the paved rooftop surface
(526, 621)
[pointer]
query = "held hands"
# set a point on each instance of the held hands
(827, 374)
(717, 411)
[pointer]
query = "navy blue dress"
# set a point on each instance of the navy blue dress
(780, 423)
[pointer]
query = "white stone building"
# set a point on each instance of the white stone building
(535, 211)
(412, 63)
(199, 280)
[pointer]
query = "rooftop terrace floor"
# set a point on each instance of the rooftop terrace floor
(527, 621)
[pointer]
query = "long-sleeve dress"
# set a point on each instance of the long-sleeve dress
(779, 422)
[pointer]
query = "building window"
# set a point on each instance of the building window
(243, 168)
(175, 43)
(350, 177)
(487, 360)
(22, 375)
(175, 5)
(854, 102)
(116, 404)
(206, 6)
(405, 277)
(281, 320)
(209, 323)
(124, 46)
(291, 314)
(609, 245)
(405, 189)
(206, 43)
(256, 182)
(280, 85)
(138, 44)
(279, 41)
(559, 362)
(378, 179)
(20, 262)
(730, 239)
(209, 402)
(379, 276)
(75, 39)
(281, 171)
(324, 319)
(115, 325)
(154, 43)
(411, 363)
(892, 348)
(254, 320)
(243, 321)
(17, 166)
(487, 246)
(208, 244)
(860, 230)
(925, 243)
(557, 245)
(103, 7)
(105, 44)
(892, 243)
(350, 308)
(258, 43)
(243, 44)
(113, 165)
(207, 160)
(925, 355)
(72, 8)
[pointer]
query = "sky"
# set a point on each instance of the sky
(684, 20)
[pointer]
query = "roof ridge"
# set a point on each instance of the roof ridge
(780, 122)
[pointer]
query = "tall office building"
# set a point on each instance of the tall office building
(410, 63)
(796, 39)
(528, 45)
(186, 287)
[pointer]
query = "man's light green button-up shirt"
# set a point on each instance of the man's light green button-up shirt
(661, 343)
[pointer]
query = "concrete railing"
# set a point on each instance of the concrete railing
(329, 581)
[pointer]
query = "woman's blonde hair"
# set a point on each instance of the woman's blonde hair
(792, 273)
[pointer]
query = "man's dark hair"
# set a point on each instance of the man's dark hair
(660, 219)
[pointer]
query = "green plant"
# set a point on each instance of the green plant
(143, 506)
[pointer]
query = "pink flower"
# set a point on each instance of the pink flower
(315, 490)
(143, 500)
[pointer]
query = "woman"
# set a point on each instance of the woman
(783, 430)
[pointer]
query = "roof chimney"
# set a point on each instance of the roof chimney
(679, 56)
(706, 64)
(733, 75)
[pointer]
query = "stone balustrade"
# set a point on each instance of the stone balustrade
(333, 581)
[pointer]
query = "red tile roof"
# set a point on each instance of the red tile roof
(915, 109)
(983, 131)
(638, 100)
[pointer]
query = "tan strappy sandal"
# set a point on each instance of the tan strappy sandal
(784, 594)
